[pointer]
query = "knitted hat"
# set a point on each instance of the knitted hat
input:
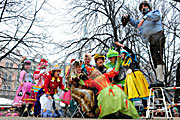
(112, 53)
(25, 61)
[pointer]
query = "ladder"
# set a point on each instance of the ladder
(153, 107)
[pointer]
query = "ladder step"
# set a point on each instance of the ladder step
(152, 108)
(157, 109)
(159, 98)
(157, 105)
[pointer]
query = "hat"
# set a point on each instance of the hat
(96, 56)
(27, 62)
(42, 64)
(123, 51)
(112, 53)
(76, 63)
(56, 67)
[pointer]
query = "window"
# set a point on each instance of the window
(4, 89)
(5, 76)
(19, 66)
(7, 64)
(9, 88)
(10, 78)
(11, 65)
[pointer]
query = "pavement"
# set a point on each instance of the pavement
(35, 118)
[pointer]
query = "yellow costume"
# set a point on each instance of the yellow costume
(136, 85)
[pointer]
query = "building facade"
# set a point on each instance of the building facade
(9, 76)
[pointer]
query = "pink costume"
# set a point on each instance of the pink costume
(24, 90)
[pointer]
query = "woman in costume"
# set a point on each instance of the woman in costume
(120, 78)
(41, 74)
(24, 90)
(81, 94)
(86, 67)
(112, 100)
(49, 99)
(136, 85)
(99, 60)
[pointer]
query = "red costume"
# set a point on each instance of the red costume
(51, 84)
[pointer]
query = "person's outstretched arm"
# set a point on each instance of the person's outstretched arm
(126, 48)
(134, 22)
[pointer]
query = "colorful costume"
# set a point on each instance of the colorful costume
(120, 78)
(24, 94)
(111, 98)
(49, 107)
(41, 74)
(24, 89)
(79, 93)
(136, 85)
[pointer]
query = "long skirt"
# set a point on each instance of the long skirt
(136, 85)
(113, 99)
(50, 107)
(84, 97)
(23, 93)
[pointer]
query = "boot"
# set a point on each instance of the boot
(22, 110)
(160, 75)
(29, 109)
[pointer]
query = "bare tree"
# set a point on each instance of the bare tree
(24, 31)
(97, 23)
(23, 28)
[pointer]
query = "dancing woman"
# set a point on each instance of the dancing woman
(24, 90)
(136, 85)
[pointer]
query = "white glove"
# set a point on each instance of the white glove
(129, 71)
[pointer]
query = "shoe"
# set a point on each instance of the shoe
(90, 115)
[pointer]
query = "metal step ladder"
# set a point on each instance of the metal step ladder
(153, 107)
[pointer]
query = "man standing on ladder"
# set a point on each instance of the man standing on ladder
(151, 30)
